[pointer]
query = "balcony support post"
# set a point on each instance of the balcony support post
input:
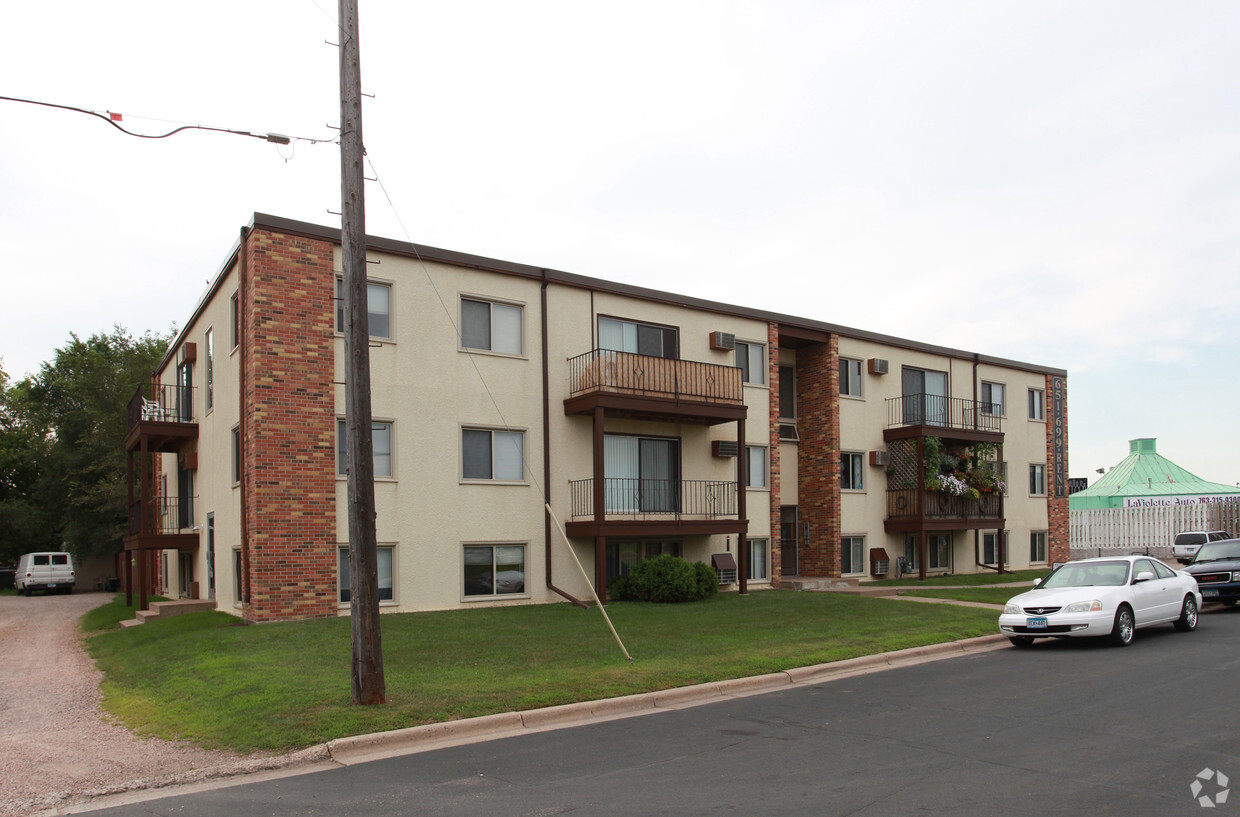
(742, 549)
(922, 544)
(600, 509)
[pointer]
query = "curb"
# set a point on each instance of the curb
(364, 748)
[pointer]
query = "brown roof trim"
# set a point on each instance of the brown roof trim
(795, 326)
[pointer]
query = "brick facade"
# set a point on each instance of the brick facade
(772, 348)
(818, 422)
(1057, 537)
(289, 471)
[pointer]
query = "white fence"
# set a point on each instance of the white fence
(1098, 532)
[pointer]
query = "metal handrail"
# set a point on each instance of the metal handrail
(656, 498)
(944, 412)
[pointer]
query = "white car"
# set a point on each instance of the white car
(1111, 596)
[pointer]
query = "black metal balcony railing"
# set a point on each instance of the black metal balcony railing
(660, 498)
(946, 412)
(902, 504)
(627, 373)
(161, 404)
(164, 515)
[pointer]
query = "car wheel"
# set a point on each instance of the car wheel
(1187, 622)
(1125, 627)
(1021, 640)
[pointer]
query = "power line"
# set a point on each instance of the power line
(113, 118)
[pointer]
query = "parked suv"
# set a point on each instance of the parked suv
(1186, 543)
(50, 571)
(1216, 567)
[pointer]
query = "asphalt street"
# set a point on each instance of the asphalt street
(1063, 727)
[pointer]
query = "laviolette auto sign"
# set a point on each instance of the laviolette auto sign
(1166, 501)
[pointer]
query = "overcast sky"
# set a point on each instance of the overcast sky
(1051, 182)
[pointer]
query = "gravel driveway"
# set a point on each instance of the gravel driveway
(56, 746)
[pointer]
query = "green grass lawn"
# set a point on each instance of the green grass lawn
(988, 577)
(988, 595)
(206, 678)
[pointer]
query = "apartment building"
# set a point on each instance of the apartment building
(784, 450)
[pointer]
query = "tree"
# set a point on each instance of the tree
(64, 433)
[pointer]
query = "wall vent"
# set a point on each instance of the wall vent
(724, 448)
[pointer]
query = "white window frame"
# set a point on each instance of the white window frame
(389, 313)
(234, 321)
(996, 408)
(492, 304)
(236, 456)
(382, 471)
(759, 568)
(757, 455)
(1037, 479)
(1037, 405)
(859, 458)
(493, 595)
(753, 371)
(852, 383)
(492, 431)
(208, 341)
(1037, 552)
(344, 592)
(856, 549)
(999, 537)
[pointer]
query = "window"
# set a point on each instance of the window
(381, 440)
(185, 392)
(236, 455)
(755, 466)
(938, 551)
(851, 472)
(1037, 480)
(492, 454)
(751, 358)
(924, 396)
(493, 327)
(1037, 547)
(621, 557)
(210, 344)
(494, 570)
(850, 377)
(990, 548)
(852, 554)
(378, 308)
(236, 575)
(788, 404)
(383, 554)
(1037, 404)
(992, 398)
(637, 338)
(641, 474)
(759, 552)
(234, 321)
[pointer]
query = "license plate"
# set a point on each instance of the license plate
(1209, 593)
(1036, 623)
(51, 584)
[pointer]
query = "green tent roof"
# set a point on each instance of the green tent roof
(1145, 473)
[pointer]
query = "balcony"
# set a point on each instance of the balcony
(163, 416)
(948, 417)
(654, 507)
(159, 524)
(641, 386)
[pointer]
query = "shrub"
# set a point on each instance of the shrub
(622, 589)
(667, 579)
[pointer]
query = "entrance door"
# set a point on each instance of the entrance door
(925, 396)
(788, 541)
(211, 556)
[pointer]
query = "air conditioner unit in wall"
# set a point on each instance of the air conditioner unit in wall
(724, 448)
(878, 365)
(722, 340)
(880, 458)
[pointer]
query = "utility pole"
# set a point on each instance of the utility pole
(368, 682)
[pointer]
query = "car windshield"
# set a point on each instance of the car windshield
(1087, 574)
(1229, 549)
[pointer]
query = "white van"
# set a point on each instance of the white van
(52, 572)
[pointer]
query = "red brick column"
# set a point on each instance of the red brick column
(289, 471)
(772, 379)
(1056, 413)
(818, 457)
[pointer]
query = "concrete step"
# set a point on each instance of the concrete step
(130, 622)
(166, 609)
